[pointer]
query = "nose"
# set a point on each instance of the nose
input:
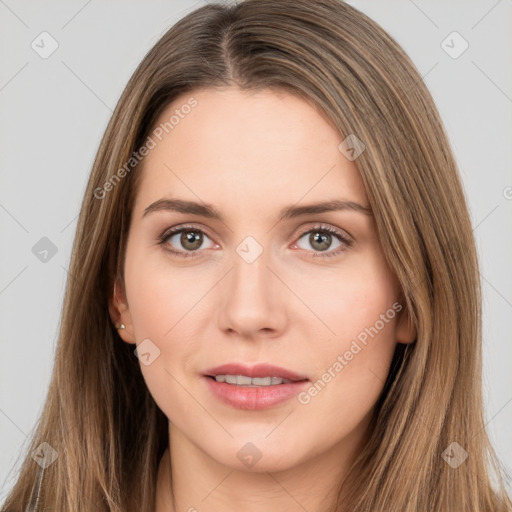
(253, 300)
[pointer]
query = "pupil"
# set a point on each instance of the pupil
(191, 237)
(323, 238)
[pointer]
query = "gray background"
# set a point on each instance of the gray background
(54, 112)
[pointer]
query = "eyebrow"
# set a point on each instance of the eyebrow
(289, 212)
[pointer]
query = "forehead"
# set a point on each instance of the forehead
(232, 146)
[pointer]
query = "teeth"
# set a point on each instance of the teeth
(262, 381)
(243, 380)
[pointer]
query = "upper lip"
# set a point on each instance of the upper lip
(258, 370)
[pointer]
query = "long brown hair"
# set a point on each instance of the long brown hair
(99, 417)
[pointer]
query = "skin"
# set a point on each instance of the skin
(249, 155)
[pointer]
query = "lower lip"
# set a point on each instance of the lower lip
(254, 398)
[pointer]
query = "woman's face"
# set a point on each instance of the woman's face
(269, 280)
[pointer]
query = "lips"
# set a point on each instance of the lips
(260, 370)
(258, 395)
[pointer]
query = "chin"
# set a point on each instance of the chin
(256, 458)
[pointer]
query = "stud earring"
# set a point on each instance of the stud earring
(120, 326)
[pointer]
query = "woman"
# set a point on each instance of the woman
(275, 227)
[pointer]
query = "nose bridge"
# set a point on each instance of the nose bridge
(250, 276)
(251, 300)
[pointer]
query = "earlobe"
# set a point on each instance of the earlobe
(120, 312)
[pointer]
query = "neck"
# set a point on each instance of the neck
(189, 480)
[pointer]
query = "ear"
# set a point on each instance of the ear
(405, 329)
(120, 312)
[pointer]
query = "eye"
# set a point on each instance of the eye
(190, 239)
(321, 238)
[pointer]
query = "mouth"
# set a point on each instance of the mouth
(244, 380)
(254, 388)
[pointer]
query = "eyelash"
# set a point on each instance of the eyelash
(320, 228)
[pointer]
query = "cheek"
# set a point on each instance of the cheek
(359, 307)
(160, 297)
(161, 308)
(350, 299)
(353, 367)
(165, 307)
(152, 311)
(350, 378)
